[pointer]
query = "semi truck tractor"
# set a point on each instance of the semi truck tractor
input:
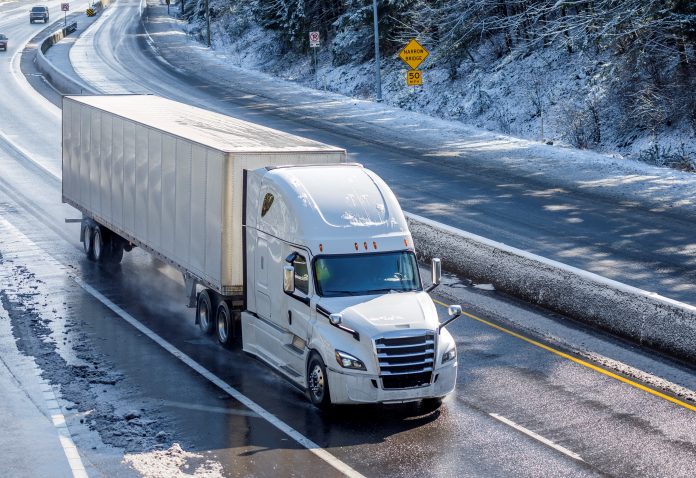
(284, 247)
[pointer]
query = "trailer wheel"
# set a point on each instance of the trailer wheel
(88, 243)
(204, 312)
(225, 324)
(318, 382)
(100, 245)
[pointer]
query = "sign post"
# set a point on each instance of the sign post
(378, 65)
(314, 42)
(65, 7)
(413, 55)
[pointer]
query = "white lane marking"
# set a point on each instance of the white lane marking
(536, 436)
(234, 393)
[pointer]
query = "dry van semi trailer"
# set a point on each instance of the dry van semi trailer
(278, 239)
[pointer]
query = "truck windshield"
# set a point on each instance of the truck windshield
(366, 274)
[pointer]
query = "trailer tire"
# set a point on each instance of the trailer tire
(318, 382)
(100, 245)
(204, 312)
(88, 242)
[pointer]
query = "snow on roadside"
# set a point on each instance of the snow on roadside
(173, 463)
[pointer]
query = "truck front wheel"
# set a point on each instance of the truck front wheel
(204, 312)
(318, 382)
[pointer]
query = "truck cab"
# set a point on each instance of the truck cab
(334, 298)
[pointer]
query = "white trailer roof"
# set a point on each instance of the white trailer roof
(205, 127)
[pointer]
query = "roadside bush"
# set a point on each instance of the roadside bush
(581, 126)
(681, 159)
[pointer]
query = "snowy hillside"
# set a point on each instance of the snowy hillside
(617, 77)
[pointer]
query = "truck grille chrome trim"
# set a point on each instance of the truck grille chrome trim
(406, 360)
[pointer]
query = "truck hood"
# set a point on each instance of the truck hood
(375, 315)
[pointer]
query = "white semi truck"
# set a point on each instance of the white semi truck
(278, 239)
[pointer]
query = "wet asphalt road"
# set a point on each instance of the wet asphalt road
(616, 429)
(640, 246)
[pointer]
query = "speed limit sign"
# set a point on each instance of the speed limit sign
(414, 78)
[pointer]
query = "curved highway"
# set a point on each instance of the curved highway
(522, 407)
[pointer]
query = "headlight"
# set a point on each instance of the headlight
(348, 361)
(451, 354)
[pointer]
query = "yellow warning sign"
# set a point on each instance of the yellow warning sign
(414, 78)
(413, 54)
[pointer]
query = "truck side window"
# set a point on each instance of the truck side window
(267, 203)
(301, 274)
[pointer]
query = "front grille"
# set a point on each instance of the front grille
(406, 361)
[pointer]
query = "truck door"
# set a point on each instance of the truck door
(297, 309)
(263, 298)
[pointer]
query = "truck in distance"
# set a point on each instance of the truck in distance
(278, 240)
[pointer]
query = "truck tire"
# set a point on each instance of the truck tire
(318, 382)
(100, 245)
(224, 324)
(204, 312)
(88, 242)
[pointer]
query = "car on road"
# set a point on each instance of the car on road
(38, 13)
(3, 42)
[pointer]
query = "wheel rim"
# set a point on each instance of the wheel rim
(222, 326)
(316, 382)
(97, 245)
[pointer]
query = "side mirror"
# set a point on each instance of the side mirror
(288, 279)
(436, 271)
(335, 319)
(455, 311)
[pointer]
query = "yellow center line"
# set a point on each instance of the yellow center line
(579, 361)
